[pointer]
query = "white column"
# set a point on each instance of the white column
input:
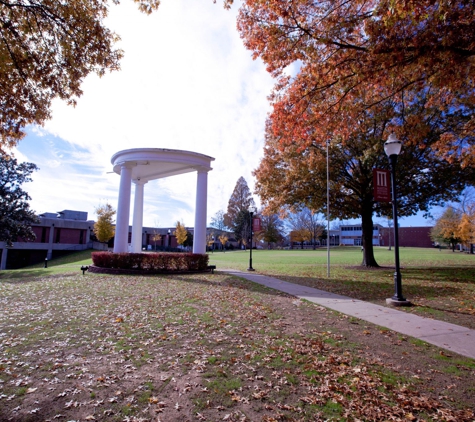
(123, 210)
(199, 236)
(137, 223)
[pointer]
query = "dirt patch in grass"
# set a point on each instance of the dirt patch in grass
(208, 348)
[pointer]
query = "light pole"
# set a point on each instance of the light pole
(328, 211)
(389, 233)
(252, 210)
(392, 148)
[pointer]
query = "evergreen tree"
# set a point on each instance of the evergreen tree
(15, 214)
(237, 216)
(189, 240)
(242, 227)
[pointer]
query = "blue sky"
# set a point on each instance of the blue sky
(186, 82)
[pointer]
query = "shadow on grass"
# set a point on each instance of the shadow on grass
(442, 274)
(437, 309)
(372, 290)
(234, 282)
(375, 286)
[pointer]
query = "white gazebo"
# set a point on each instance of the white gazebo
(140, 165)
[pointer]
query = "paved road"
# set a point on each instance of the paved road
(448, 336)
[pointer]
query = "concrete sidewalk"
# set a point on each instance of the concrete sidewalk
(448, 336)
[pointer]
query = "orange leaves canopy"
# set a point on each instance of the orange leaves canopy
(47, 48)
(353, 55)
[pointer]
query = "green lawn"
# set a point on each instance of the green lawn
(440, 284)
(297, 260)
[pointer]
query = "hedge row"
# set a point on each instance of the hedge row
(153, 262)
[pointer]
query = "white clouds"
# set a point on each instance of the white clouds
(186, 83)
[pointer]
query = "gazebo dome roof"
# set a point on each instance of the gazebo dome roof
(156, 163)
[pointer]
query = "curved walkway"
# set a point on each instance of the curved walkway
(448, 336)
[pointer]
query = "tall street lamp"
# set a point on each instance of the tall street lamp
(392, 148)
(252, 210)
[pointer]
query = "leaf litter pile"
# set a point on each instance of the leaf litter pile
(209, 348)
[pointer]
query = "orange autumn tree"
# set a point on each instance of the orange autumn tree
(292, 172)
(353, 72)
(368, 50)
(446, 229)
(466, 228)
(48, 48)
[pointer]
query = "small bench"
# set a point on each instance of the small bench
(211, 268)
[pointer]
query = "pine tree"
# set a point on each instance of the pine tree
(15, 214)
(241, 200)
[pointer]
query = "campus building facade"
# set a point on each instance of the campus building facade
(56, 234)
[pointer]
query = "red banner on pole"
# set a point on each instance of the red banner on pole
(381, 185)
(256, 224)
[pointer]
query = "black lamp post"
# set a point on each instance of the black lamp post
(392, 148)
(252, 210)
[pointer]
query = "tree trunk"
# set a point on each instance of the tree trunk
(367, 236)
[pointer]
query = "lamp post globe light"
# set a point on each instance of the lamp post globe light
(252, 210)
(392, 148)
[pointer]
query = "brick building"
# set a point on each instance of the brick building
(56, 234)
(415, 237)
